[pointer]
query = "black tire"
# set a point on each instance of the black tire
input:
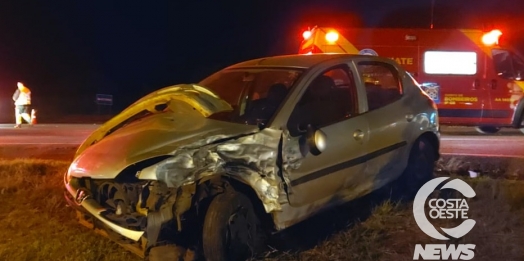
(231, 231)
(420, 168)
(487, 129)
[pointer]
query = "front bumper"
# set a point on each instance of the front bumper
(81, 201)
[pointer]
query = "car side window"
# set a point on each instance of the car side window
(382, 83)
(330, 98)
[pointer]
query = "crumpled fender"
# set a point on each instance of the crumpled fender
(250, 158)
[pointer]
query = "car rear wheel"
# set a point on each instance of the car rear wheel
(487, 129)
(231, 231)
(420, 168)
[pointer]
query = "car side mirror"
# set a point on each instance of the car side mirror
(315, 139)
(302, 128)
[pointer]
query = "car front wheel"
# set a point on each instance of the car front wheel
(231, 231)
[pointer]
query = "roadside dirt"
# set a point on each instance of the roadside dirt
(64, 153)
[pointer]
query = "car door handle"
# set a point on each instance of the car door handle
(476, 84)
(358, 135)
(493, 84)
(409, 117)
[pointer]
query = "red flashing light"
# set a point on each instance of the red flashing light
(491, 38)
(306, 34)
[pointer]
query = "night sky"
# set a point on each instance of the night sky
(68, 51)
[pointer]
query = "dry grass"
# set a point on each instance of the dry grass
(37, 225)
(390, 233)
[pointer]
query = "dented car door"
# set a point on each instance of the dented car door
(388, 134)
(329, 104)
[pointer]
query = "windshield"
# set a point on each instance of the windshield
(508, 65)
(254, 94)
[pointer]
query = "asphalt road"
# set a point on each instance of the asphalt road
(42, 141)
(465, 141)
(60, 140)
(45, 134)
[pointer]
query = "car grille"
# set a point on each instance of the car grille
(121, 201)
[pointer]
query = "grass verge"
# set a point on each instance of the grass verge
(37, 225)
(391, 233)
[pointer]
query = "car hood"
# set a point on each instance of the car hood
(125, 140)
(164, 100)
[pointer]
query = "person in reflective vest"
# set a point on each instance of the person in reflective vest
(22, 98)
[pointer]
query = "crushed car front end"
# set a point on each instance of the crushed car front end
(141, 178)
(102, 184)
(156, 201)
(117, 219)
(130, 211)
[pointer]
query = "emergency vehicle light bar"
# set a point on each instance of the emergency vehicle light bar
(491, 38)
(332, 36)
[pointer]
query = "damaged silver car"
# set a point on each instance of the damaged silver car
(215, 167)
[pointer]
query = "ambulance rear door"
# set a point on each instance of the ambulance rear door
(453, 78)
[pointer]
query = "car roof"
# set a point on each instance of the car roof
(296, 60)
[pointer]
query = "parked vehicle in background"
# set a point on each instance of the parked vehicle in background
(475, 78)
(250, 150)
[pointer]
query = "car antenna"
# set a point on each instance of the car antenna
(432, 12)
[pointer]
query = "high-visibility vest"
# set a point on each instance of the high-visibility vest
(24, 97)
